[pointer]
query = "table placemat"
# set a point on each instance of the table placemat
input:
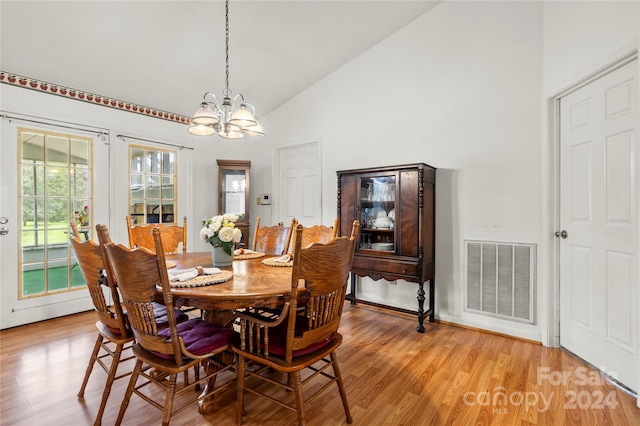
(250, 255)
(202, 280)
(171, 264)
(273, 262)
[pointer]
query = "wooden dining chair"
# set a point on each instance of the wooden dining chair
(272, 240)
(173, 350)
(114, 334)
(172, 235)
(296, 340)
(315, 234)
(159, 309)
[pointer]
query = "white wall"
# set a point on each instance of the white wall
(580, 36)
(458, 89)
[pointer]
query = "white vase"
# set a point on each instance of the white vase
(221, 258)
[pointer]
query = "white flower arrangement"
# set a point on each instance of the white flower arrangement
(221, 231)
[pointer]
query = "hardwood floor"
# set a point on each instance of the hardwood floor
(393, 376)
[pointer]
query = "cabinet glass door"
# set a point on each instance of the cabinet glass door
(378, 213)
(234, 185)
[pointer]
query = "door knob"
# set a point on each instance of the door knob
(4, 231)
(562, 234)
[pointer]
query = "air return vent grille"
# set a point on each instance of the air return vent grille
(500, 279)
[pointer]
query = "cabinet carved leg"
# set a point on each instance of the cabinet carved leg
(421, 315)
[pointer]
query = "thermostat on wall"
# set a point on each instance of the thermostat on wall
(265, 199)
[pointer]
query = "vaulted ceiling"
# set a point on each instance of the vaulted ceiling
(166, 54)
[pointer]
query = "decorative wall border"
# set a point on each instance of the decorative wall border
(92, 98)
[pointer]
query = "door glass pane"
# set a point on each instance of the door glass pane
(55, 188)
(57, 150)
(33, 279)
(57, 183)
(153, 162)
(32, 179)
(137, 185)
(153, 186)
(168, 163)
(57, 276)
(32, 147)
(57, 237)
(137, 160)
(57, 213)
(80, 182)
(167, 187)
(31, 250)
(167, 211)
(79, 152)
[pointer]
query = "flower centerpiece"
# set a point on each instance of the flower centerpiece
(221, 232)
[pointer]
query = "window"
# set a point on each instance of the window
(152, 177)
(55, 188)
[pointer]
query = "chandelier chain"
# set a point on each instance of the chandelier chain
(229, 119)
(227, 91)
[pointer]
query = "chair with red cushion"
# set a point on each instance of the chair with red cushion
(114, 334)
(170, 351)
(297, 340)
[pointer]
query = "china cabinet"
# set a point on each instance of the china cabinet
(396, 208)
(233, 190)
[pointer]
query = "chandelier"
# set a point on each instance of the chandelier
(234, 117)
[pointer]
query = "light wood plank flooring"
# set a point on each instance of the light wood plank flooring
(393, 376)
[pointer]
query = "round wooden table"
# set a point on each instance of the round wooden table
(253, 285)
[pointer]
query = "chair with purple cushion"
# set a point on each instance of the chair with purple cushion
(169, 352)
(298, 339)
(159, 309)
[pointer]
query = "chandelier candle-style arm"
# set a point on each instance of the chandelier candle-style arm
(227, 120)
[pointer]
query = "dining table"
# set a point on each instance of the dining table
(253, 284)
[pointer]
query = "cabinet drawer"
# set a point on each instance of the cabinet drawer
(385, 265)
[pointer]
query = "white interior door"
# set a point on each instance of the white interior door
(599, 211)
(299, 183)
(19, 246)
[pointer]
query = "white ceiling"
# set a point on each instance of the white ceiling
(166, 54)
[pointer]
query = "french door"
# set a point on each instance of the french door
(48, 177)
